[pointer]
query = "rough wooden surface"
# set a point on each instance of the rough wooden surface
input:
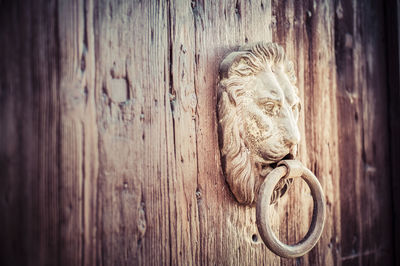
(392, 16)
(307, 32)
(363, 139)
(108, 133)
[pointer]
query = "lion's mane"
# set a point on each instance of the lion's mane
(237, 70)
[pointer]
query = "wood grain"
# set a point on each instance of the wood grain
(392, 22)
(108, 133)
(30, 134)
(363, 138)
(306, 30)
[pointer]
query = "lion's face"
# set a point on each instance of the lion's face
(271, 113)
(258, 109)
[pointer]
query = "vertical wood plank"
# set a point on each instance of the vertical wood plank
(78, 133)
(55, 127)
(136, 144)
(363, 134)
(351, 129)
(376, 200)
(228, 231)
(306, 32)
(321, 124)
(185, 239)
(29, 133)
(392, 26)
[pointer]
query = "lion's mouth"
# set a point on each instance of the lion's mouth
(274, 161)
(288, 156)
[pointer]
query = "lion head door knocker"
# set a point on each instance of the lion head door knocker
(258, 109)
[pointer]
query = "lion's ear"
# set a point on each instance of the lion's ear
(232, 58)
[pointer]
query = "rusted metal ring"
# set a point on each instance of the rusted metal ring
(263, 207)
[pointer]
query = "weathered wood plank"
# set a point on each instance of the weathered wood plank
(307, 33)
(321, 122)
(363, 135)
(55, 127)
(229, 234)
(136, 144)
(377, 228)
(350, 129)
(185, 240)
(29, 128)
(28, 117)
(78, 133)
(392, 16)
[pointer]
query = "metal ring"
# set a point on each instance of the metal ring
(263, 207)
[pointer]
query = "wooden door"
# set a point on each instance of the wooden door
(109, 143)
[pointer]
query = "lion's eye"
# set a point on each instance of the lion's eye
(296, 108)
(269, 107)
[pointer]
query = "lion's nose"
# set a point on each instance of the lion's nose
(292, 133)
(292, 152)
(293, 137)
